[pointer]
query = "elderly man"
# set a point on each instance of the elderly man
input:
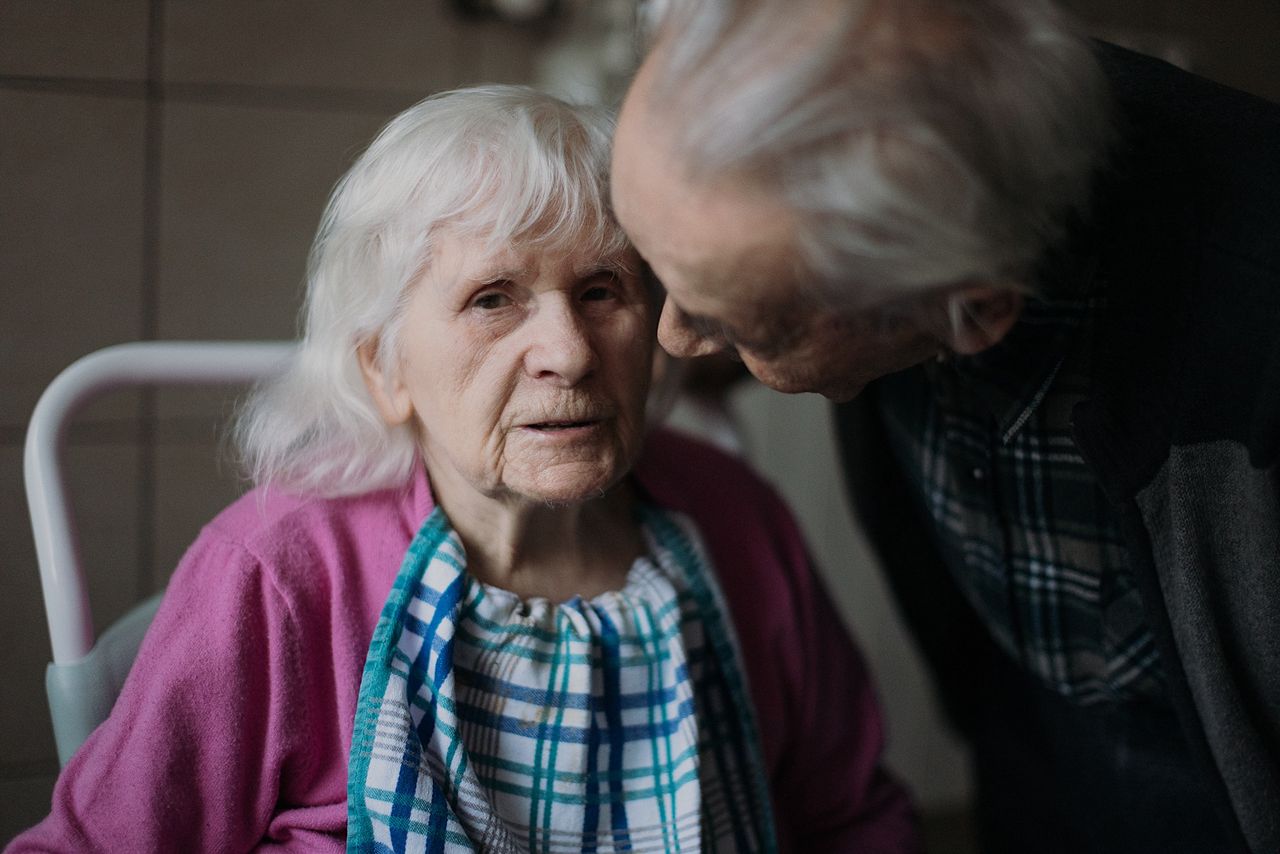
(1049, 271)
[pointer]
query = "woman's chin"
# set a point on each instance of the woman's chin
(565, 484)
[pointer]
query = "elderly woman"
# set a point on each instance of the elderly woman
(450, 617)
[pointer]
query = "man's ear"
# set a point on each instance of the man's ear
(980, 316)
(389, 393)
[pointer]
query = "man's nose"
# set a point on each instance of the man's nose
(561, 349)
(681, 339)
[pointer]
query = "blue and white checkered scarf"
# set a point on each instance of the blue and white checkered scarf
(623, 723)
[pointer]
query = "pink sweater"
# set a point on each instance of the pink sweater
(232, 731)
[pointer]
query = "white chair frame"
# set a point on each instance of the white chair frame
(84, 677)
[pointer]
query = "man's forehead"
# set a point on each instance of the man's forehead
(730, 248)
(700, 231)
(709, 241)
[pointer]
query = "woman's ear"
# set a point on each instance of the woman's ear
(389, 392)
(980, 316)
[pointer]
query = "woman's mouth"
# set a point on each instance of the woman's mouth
(551, 426)
(564, 431)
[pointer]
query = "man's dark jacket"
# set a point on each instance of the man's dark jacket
(1182, 430)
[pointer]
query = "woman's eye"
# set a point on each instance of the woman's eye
(598, 292)
(602, 286)
(491, 300)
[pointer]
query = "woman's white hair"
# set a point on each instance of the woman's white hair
(507, 163)
(920, 143)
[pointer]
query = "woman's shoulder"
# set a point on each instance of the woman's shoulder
(304, 547)
(270, 523)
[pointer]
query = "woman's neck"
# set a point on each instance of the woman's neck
(534, 549)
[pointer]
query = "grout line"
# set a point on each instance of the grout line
(378, 102)
(153, 131)
(149, 322)
(95, 87)
(170, 430)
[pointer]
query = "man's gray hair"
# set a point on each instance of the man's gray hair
(506, 163)
(920, 143)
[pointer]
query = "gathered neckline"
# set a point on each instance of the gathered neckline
(646, 586)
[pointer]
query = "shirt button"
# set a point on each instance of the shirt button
(979, 474)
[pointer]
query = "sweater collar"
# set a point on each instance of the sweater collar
(416, 500)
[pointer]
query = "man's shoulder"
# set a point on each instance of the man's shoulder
(1189, 143)
(1148, 88)
(1188, 219)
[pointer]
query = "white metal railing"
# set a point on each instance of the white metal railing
(66, 602)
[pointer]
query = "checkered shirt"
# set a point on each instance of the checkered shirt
(1021, 521)
(623, 723)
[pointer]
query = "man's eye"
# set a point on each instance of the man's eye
(491, 300)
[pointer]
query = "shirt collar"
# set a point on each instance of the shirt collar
(1010, 379)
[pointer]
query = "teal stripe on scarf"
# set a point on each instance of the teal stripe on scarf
(473, 681)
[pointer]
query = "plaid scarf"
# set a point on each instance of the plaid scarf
(486, 723)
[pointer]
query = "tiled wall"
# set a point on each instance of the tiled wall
(162, 168)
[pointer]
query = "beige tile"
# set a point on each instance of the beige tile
(26, 801)
(401, 45)
(74, 38)
(498, 52)
(201, 413)
(194, 482)
(71, 177)
(243, 192)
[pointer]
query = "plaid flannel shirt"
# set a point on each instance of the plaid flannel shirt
(1020, 520)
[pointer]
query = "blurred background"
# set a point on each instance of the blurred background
(163, 164)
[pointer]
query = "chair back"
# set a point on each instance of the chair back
(86, 673)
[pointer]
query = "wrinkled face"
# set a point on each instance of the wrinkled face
(526, 371)
(727, 256)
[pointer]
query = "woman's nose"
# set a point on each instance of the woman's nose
(561, 349)
(680, 338)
